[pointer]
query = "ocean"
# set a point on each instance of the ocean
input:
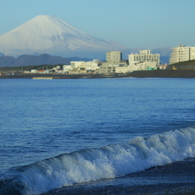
(97, 136)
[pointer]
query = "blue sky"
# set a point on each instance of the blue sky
(132, 23)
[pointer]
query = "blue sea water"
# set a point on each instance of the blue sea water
(58, 133)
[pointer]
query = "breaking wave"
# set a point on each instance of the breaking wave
(106, 162)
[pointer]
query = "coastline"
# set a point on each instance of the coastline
(135, 74)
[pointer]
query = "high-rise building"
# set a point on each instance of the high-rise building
(144, 56)
(182, 53)
(113, 57)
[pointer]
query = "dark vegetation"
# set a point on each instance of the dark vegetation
(28, 68)
(187, 65)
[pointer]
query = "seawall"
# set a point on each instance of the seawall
(164, 74)
(135, 74)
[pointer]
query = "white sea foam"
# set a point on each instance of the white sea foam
(109, 161)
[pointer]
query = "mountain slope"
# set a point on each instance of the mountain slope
(48, 34)
(25, 60)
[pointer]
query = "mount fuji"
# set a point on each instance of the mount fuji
(51, 35)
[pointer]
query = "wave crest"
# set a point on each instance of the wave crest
(109, 161)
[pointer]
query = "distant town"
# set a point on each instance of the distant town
(142, 61)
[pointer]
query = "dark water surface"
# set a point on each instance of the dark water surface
(97, 136)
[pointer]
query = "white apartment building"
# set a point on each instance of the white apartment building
(114, 57)
(113, 60)
(182, 53)
(144, 56)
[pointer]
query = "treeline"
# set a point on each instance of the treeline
(28, 68)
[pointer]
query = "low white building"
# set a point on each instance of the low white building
(136, 67)
(107, 68)
(81, 66)
(76, 64)
(143, 66)
(67, 68)
(124, 69)
(91, 65)
(33, 71)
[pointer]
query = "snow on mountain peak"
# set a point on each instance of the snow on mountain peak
(46, 25)
(49, 34)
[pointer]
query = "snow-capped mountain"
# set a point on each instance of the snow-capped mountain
(48, 34)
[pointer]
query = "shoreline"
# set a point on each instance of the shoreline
(171, 179)
(135, 74)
